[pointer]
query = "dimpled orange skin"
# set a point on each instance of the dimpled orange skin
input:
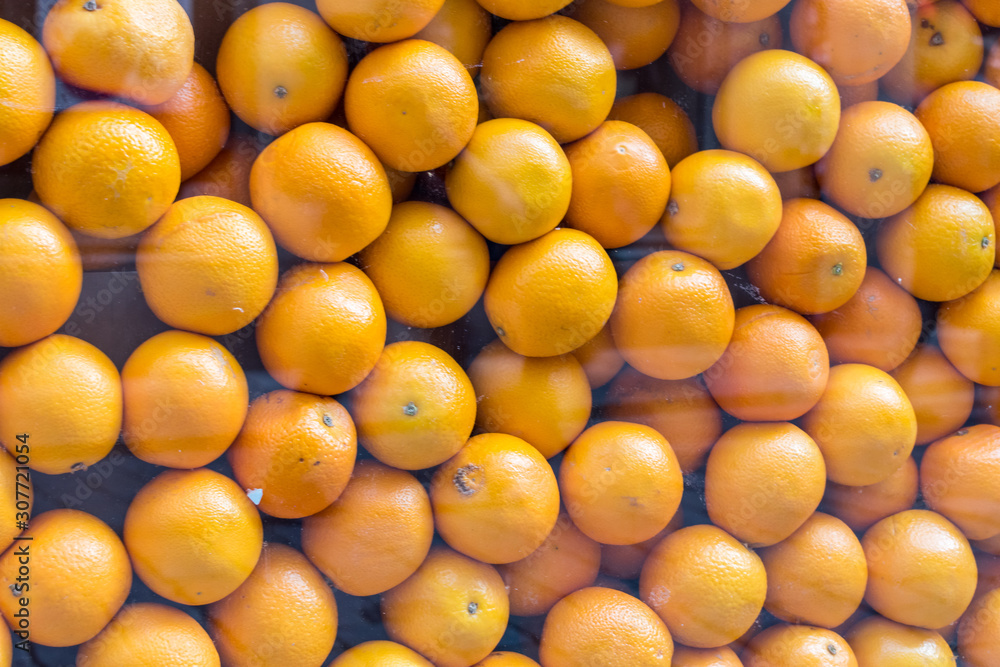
(979, 629)
(322, 191)
(878, 641)
(800, 645)
(462, 27)
(553, 71)
(663, 120)
(968, 332)
(861, 506)
(378, 20)
(942, 398)
(209, 265)
(523, 10)
(79, 577)
(723, 656)
(29, 92)
(379, 653)
(106, 169)
(635, 36)
(140, 49)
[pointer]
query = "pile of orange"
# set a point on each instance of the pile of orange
(606, 333)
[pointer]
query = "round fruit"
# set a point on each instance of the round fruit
(861, 506)
(462, 27)
(378, 20)
(879, 641)
(968, 331)
(978, 631)
(29, 92)
(599, 358)
(635, 36)
(798, 645)
(150, 633)
(942, 398)
(523, 10)
(379, 653)
(663, 120)
(737, 11)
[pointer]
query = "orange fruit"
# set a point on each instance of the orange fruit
(624, 561)
(297, 450)
(434, 105)
(702, 215)
(150, 633)
(553, 71)
(193, 535)
(991, 198)
(707, 587)
(940, 248)
(463, 28)
(185, 399)
(856, 42)
(280, 66)
(453, 609)
(41, 275)
(523, 10)
(984, 11)
(879, 641)
(416, 408)
(762, 481)
(880, 161)
(429, 265)
(567, 561)
(375, 534)
(878, 326)
(722, 656)
(79, 578)
(602, 626)
(814, 263)
(817, 575)
(551, 295)
(141, 49)
(106, 169)
(978, 632)
(545, 401)
(378, 20)
(863, 92)
(379, 653)
(66, 396)
(506, 659)
(208, 265)
(968, 331)
(322, 191)
(599, 358)
(798, 183)
(228, 175)
(662, 119)
(861, 506)
(991, 68)
(28, 94)
(941, 397)
(620, 183)
(775, 368)
(946, 45)
(635, 36)
(512, 182)
(496, 500)
(798, 645)
(197, 119)
(963, 121)
(324, 330)
(284, 612)
(737, 11)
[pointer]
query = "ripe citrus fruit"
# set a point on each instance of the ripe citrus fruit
(506, 659)
(798, 645)
(942, 398)
(978, 631)
(662, 119)
(879, 641)
(861, 506)
(462, 27)
(968, 331)
(737, 11)
(600, 358)
(379, 653)
(624, 561)
(985, 11)
(523, 10)
(378, 20)
(635, 36)
(723, 656)
(28, 94)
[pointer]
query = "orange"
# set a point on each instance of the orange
(553, 71)
(941, 397)
(940, 248)
(724, 207)
(379, 653)
(193, 535)
(635, 36)
(798, 645)
(512, 182)
(863, 92)
(283, 613)
(551, 295)
(140, 49)
(599, 358)
(322, 191)
(921, 570)
(624, 561)
(880, 161)
(280, 66)
(663, 120)
(798, 183)
(621, 482)
(375, 534)
(185, 398)
(324, 330)
(814, 263)
(775, 368)
(28, 94)
(296, 451)
(879, 641)
(41, 275)
(228, 175)
(878, 326)
(453, 609)
(209, 265)
(545, 401)
(707, 587)
(15, 482)
(602, 626)
(620, 183)
(705, 657)
(197, 119)
(963, 121)
(856, 42)
(106, 169)
(778, 107)
(762, 481)
(567, 561)
(66, 396)
(506, 659)
(496, 500)
(738, 11)
(416, 408)
(946, 45)
(817, 575)
(433, 109)
(523, 10)
(985, 11)
(978, 632)
(79, 577)
(150, 634)
(429, 265)
(378, 20)
(991, 198)
(706, 48)
(464, 29)
(968, 331)
(861, 506)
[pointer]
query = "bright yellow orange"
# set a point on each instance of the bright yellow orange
(968, 331)
(798, 645)
(861, 506)
(599, 358)
(523, 10)
(463, 28)
(27, 92)
(663, 120)
(635, 36)
(942, 398)
(506, 659)
(979, 629)
(378, 20)
(379, 653)
(228, 175)
(879, 641)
